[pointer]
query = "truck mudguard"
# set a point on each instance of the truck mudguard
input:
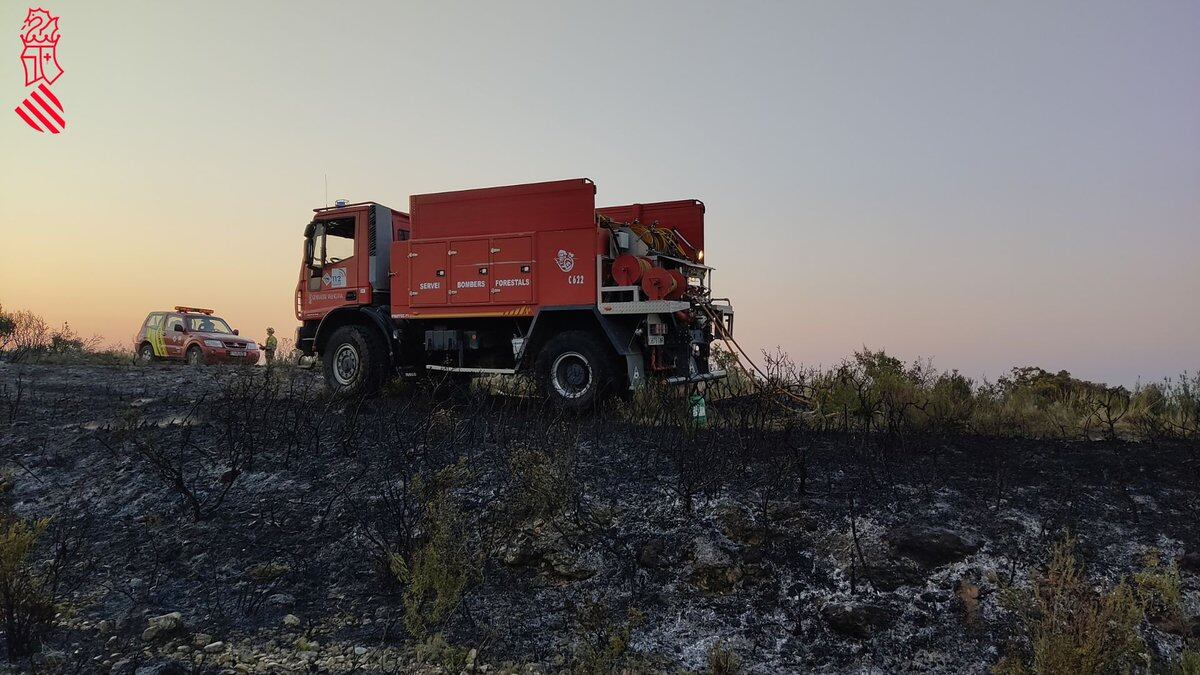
(375, 316)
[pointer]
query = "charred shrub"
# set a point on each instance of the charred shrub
(12, 395)
(182, 457)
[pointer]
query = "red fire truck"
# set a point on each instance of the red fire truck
(524, 278)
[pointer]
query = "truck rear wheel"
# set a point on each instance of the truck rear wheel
(145, 354)
(355, 361)
(574, 369)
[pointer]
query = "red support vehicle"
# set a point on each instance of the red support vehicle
(194, 335)
(523, 278)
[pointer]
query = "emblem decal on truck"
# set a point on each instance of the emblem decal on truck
(565, 260)
(335, 278)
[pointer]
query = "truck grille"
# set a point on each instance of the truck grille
(235, 345)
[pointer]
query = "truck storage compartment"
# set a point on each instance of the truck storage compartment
(535, 207)
(512, 265)
(427, 264)
(470, 270)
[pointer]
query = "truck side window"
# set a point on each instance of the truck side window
(338, 243)
(174, 320)
(154, 320)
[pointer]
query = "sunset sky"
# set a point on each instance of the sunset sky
(987, 184)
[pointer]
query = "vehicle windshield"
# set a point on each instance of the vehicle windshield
(208, 324)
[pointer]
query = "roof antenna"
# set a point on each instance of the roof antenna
(327, 190)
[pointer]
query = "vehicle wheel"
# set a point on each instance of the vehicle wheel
(574, 369)
(195, 356)
(145, 354)
(355, 361)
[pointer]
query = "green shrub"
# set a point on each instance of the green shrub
(437, 651)
(603, 643)
(1067, 627)
(543, 484)
(1161, 589)
(26, 603)
(722, 661)
(1189, 663)
(442, 569)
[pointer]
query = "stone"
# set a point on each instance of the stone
(740, 526)
(565, 566)
(652, 553)
(360, 651)
(1189, 562)
(931, 546)
(713, 570)
(856, 620)
(105, 627)
(893, 577)
(52, 657)
(201, 639)
(163, 626)
(291, 620)
(121, 667)
(162, 668)
(214, 647)
(968, 593)
(520, 552)
(281, 600)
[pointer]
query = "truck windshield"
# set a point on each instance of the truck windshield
(208, 324)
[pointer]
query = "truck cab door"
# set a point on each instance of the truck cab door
(334, 265)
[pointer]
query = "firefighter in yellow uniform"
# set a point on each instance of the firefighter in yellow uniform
(270, 345)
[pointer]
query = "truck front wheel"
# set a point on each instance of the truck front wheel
(355, 361)
(574, 369)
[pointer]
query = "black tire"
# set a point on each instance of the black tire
(355, 361)
(145, 354)
(195, 356)
(575, 370)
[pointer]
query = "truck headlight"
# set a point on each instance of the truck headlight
(251, 345)
(213, 343)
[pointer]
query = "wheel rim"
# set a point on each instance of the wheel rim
(146, 354)
(571, 375)
(194, 357)
(345, 364)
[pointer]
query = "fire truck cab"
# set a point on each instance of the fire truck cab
(526, 278)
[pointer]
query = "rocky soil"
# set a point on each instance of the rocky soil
(794, 551)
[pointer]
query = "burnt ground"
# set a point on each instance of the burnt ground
(796, 552)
